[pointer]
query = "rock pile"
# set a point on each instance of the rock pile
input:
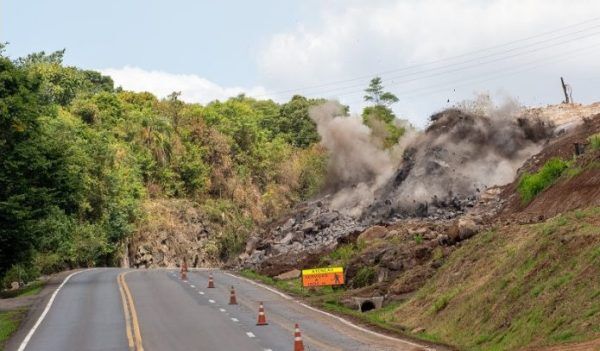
(313, 229)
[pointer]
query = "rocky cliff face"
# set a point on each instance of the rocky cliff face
(172, 230)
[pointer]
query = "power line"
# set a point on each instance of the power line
(455, 57)
(416, 77)
(495, 75)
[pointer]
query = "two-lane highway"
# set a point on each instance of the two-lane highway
(92, 311)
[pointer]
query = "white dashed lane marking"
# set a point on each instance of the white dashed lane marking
(233, 319)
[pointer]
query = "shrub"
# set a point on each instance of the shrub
(418, 238)
(343, 254)
(19, 273)
(49, 263)
(595, 141)
(532, 184)
(365, 276)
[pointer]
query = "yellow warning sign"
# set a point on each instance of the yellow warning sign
(323, 276)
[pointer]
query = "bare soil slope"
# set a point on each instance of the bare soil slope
(576, 189)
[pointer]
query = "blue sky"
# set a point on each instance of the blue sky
(218, 40)
(215, 49)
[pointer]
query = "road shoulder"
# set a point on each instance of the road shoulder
(349, 319)
(34, 305)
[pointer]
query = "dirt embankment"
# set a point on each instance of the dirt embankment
(580, 187)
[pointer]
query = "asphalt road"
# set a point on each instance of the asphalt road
(87, 314)
(171, 314)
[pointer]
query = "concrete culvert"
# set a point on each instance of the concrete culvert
(367, 305)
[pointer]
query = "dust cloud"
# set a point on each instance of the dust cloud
(463, 151)
(357, 166)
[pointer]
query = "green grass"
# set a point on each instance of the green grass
(383, 318)
(442, 301)
(520, 286)
(365, 276)
(418, 238)
(28, 290)
(595, 141)
(343, 254)
(532, 184)
(9, 322)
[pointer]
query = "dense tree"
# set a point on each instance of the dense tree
(78, 158)
(293, 122)
(20, 108)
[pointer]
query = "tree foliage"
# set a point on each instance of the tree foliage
(78, 158)
(379, 116)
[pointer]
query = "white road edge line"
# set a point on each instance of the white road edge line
(345, 321)
(43, 315)
(287, 297)
(250, 334)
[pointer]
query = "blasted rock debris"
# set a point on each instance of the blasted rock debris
(459, 156)
(447, 172)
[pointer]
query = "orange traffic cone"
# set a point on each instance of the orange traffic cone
(232, 299)
(184, 270)
(298, 344)
(211, 284)
(262, 318)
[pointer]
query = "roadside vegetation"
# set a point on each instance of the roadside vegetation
(504, 289)
(531, 184)
(11, 318)
(9, 323)
(595, 141)
(33, 288)
(80, 157)
(520, 285)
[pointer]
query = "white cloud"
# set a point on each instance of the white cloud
(192, 87)
(353, 39)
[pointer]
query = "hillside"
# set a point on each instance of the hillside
(93, 175)
(480, 231)
(489, 270)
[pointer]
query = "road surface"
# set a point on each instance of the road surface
(154, 310)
